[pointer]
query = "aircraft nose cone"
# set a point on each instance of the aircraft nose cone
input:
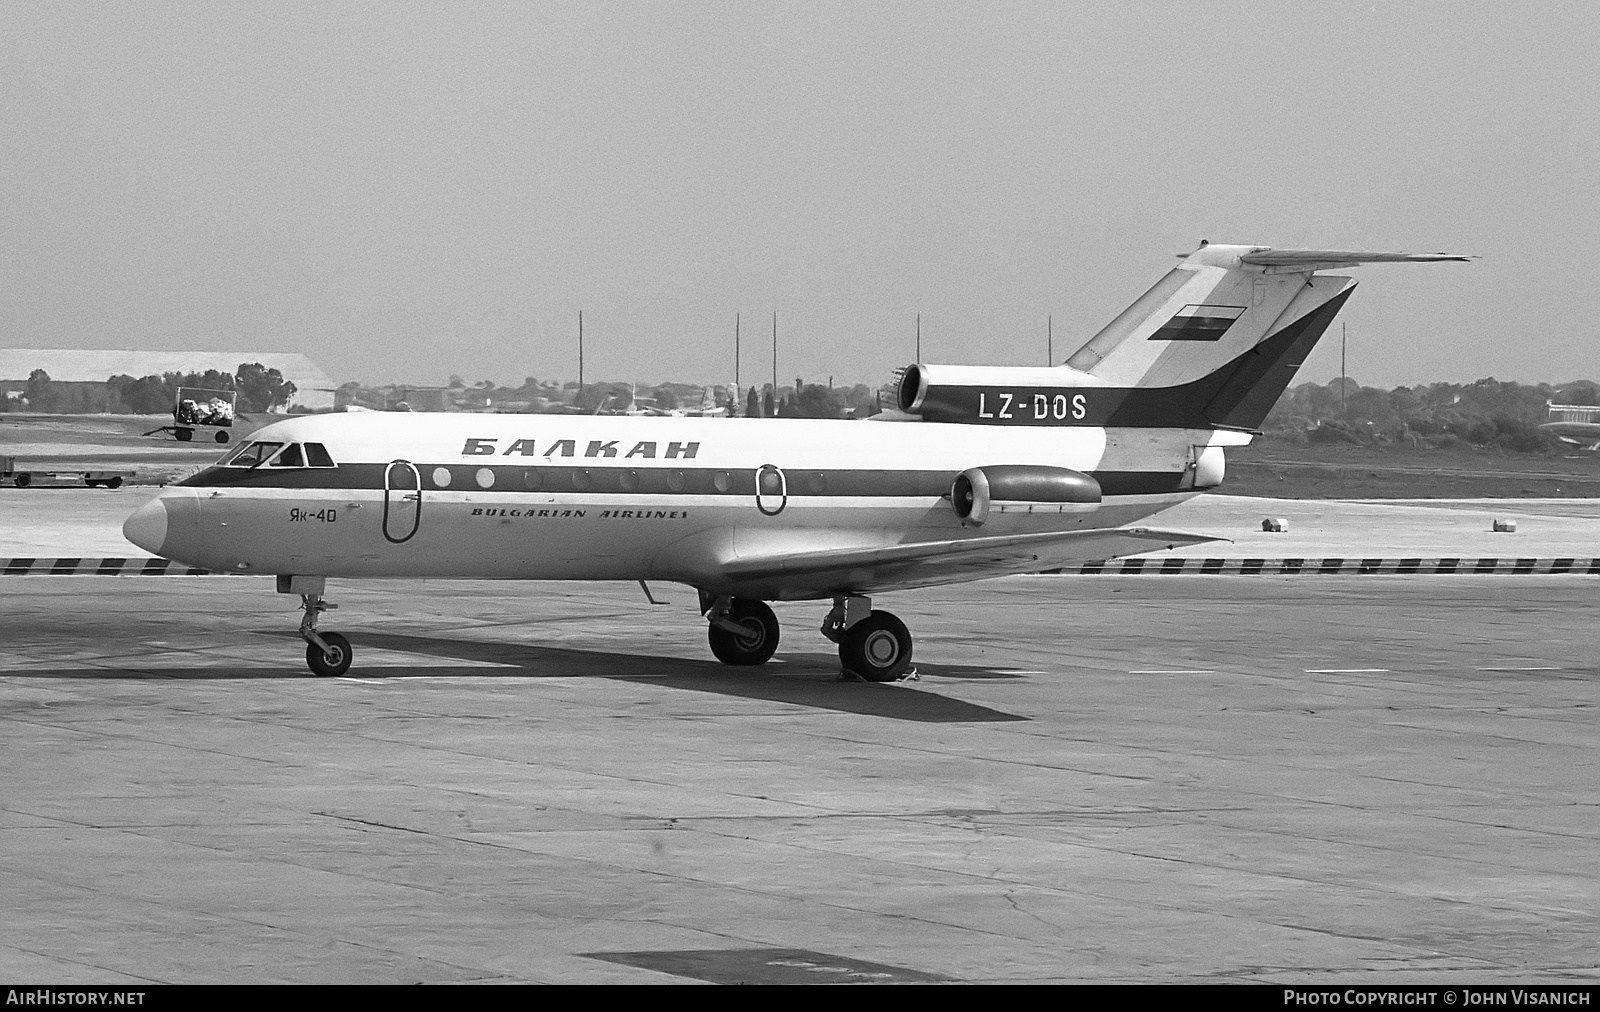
(147, 527)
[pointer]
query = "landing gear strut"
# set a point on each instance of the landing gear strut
(743, 632)
(873, 644)
(328, 655)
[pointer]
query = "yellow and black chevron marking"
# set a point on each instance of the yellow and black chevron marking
(1117, 567)
(1333, 566)
(100, 567)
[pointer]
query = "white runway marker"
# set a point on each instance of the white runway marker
(1173, 671)
(1536, 668)
(1347, 671)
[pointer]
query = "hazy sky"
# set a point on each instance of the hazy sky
(404, 191)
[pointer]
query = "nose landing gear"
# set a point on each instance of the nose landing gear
(328, 655)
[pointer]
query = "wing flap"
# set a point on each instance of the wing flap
(921, 564)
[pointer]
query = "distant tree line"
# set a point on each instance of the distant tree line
(1484, 413)
(803, 400)
(259, 388)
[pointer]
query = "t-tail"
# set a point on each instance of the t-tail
(1210, 346)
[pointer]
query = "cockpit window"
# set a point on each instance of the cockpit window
(317, 456)
(290, 457)
(250, 455)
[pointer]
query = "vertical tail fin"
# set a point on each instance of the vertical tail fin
(1242, 318)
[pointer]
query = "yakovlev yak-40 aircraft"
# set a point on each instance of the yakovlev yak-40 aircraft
(990, 471)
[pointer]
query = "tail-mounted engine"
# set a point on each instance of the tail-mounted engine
(1003, 395)
(1021, 488)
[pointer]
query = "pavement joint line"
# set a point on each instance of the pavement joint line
(1347, 671)
(1329, 566)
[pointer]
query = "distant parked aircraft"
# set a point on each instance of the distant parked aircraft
(1578, 424)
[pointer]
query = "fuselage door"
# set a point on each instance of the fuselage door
(772, 489)
(402, 501)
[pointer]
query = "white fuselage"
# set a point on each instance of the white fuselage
(552, 497)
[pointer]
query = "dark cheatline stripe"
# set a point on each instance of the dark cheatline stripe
(1408, 566)
(1133, 565)
(1173, 565)
(1370, 566)
(1252, 565)
(1447, 565)
(18, 567)
(1486, 566)
(1331, 566)
(644, 479)
(1561, 566)
(1524, 565)
(155, 567)
(111, 567)
(1213, 565)
(1291, 565)
(64, 567)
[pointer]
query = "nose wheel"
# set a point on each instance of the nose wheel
(328, 655)
(331, 659)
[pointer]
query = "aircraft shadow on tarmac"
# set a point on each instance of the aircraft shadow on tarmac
(802, 679)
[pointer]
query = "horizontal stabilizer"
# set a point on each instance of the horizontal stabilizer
(1336, 258)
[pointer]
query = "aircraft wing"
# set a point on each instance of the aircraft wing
(793, 576)
(1336, 258)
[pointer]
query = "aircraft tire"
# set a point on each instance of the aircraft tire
(221, 437)
(878, 648)
(183, 435)
(113, 482)
(329, 665)
(757, 645)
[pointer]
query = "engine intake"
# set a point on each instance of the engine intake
(978, 491)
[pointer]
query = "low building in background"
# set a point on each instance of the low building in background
(86, 372)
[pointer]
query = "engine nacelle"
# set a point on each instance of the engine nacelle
(978, 491)
(1000, 395)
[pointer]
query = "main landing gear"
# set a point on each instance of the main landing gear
(327, 654)
(874, 645)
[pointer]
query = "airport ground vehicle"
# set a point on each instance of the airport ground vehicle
(10, 474)
(199, 410)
